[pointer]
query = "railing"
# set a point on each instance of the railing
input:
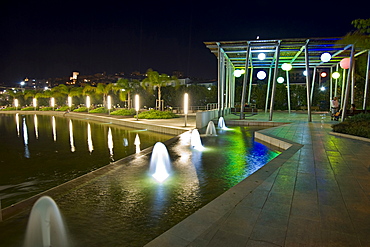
(193, 109)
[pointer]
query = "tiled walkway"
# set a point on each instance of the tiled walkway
(317, 193)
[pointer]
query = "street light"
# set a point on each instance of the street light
(52, 102)
(109, 103)
(34, 101)
(186, 106)
(16, 104)
(137, 106)
(88, 103)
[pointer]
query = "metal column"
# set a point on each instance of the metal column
(288, 89)
(268, 89)
(307, 60)
(242, 103)
(366, 81)
(348, 84)
(277, 54)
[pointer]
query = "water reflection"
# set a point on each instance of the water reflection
(54, 126)
(25, 138)
(36, 126)
(71, 139)
(110, 144)
(17, 123)
(89, 139)
(137, 143)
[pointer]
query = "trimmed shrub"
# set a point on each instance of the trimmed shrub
(46, 109)
(11, 108)
(63, 108)
(124, 112)
(358, 125)
(99, 110)
(28, 108)
(81, 109)
(155, 114)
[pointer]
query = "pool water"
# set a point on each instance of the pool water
(38, 152)
(127, 207)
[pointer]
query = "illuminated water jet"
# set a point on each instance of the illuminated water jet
(195, 141)
(45, 225)
(221, 123)
(160, 162)
(211, 130)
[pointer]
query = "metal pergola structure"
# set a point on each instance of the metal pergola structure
(303, 53)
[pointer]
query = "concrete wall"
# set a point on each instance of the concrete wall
(203, 118)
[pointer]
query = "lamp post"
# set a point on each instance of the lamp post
(34, 101)
(88, 103)
(186, 106)
(52, 102)
(70, 103)
(137, 107)
(109, 102)
(287, 67)
(16, 104)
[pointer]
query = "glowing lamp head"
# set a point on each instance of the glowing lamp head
(137, 105)
(261, 56)
(239, 72)
(186, 103)
(345, 63)
(286, 66)
(261, 75)
(280, 79)
(305, 73)
(325, 57)
(323, 74)
(335, 75)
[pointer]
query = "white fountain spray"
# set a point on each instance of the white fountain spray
(195, 141)
(211, 130)
(45, 225)
(160, 162)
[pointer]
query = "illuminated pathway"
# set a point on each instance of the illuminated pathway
(317, 193)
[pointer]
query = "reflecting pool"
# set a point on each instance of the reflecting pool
(38, 152)
(128, 207)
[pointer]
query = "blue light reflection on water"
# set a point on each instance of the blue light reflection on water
(128, 207)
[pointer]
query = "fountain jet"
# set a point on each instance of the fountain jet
(45, 225)
(211, 130)
(221, 123)
(195, 141)
(160, 162)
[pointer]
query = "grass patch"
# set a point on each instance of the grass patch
(358, 125)
(155, 114)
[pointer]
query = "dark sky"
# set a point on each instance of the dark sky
(54, 38)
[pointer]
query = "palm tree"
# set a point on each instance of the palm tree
(154, 79)
(100, 89)
(70, 91)
(125, 86)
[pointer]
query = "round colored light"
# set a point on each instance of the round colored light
(345, 63)
(280, 79)
(335, 75)
(286, 66)
(261, 56)
(325, 57)
(261, 75)
(323, 74)
(239, 72)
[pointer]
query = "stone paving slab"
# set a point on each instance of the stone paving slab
(315, 194)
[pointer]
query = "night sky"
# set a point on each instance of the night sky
(52, 39)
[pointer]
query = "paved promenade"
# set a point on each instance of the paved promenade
(317, 193)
